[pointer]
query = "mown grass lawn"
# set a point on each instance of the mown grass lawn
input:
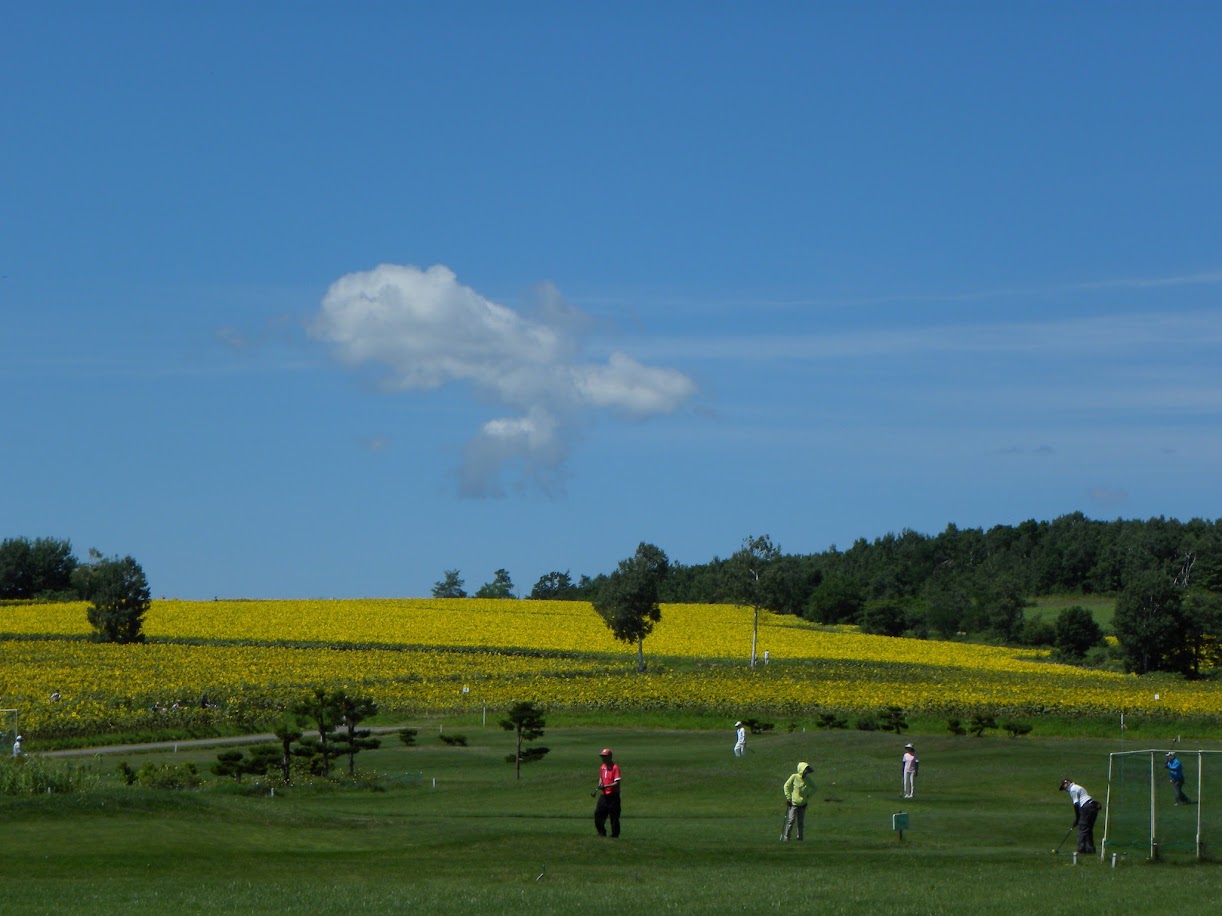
(701, 833)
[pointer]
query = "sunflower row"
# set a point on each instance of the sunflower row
(691, 631)
(67, 687)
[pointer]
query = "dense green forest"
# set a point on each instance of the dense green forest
(1070, 555)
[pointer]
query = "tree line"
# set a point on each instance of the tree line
(45, 569)
(1165, 575)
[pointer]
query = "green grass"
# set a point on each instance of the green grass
(1101, 607)
(700, 833)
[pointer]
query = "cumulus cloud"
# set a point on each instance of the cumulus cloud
(425, 330)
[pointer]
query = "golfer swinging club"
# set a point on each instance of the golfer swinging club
(1085, 810)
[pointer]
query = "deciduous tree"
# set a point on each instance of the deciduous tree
(118, 593)
(501, 586)
(628, 600)
(1203, 614)
(39, 568)
(1076, 633)
(555, 586)
(451, 586)
(748, 579)
(1150, 625)
(836, 599)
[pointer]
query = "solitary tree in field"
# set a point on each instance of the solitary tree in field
(526, 720)
(628, 600)
(118, 593)
(748, 572)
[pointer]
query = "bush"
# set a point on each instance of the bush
(867, 724)
(1037, 632)
(162, 775)
(33, 776)
(891, 719)
(453, 740)
(831, 720)
(955, 727)
(230, 763)
(981, 723)
(408, 736)
(1105, 658)
(1017, 729)
(756, 727)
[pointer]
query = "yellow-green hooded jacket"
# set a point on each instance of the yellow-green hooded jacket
(798, 787)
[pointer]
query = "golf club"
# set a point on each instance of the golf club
(1063, 839)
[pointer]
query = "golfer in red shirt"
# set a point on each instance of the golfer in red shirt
(608, 795)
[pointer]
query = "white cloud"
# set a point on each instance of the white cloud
(427, 330)
(624, 384)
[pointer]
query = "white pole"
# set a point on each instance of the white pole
(1200, 800)
(1107, 809)
(1153, 813)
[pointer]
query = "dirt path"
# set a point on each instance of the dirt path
(177, 745)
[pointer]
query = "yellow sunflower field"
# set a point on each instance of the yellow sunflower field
(237, 662)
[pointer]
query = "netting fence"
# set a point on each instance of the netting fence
(1146, 812)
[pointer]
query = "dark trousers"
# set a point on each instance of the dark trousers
(607, 807)
(1180, 797)
(1086, 826)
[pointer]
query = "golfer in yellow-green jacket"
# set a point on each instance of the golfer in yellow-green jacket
(798, 790)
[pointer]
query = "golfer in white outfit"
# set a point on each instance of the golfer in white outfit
(740, 746)
(910, 766)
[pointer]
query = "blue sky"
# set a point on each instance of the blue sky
(321, 300)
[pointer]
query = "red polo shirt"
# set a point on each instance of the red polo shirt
(608, 778)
